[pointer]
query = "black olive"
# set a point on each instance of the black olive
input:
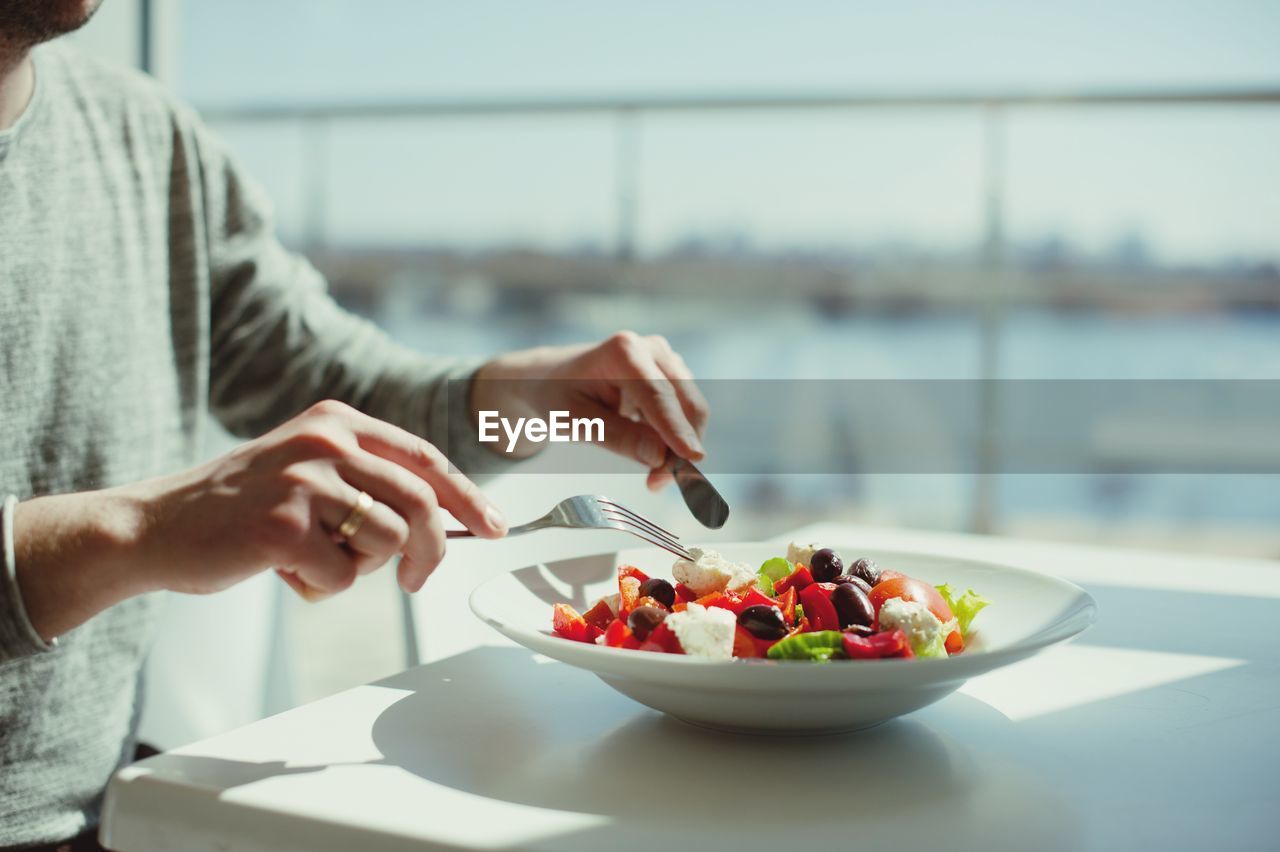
(865, 569)
(825, 565)
(859, 630)
(763, 622)
(643, 619)
(852, 605)
(660, 590)
(855, 580)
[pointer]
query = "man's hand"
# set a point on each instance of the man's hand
(639, 386)
(276, 501)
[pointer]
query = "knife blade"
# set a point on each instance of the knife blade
(703, 500)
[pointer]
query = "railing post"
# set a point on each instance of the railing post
(627, 184)
(315, 177)
(991, 320)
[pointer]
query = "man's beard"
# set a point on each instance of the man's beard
(25, 23)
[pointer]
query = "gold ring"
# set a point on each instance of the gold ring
(357, 515)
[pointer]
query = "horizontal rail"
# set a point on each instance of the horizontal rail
(382, 109)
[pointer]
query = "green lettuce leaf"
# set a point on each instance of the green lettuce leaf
(771, 572)
(964, 607)
(819, 646)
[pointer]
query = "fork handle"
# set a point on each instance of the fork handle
(539, 524)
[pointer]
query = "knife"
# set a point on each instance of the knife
(703, 500)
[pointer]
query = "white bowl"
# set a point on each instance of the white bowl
(1028, 612)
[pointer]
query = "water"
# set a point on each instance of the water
(735, 342)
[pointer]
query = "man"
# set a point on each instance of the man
(141, 289)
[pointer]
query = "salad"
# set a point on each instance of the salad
(808, 605)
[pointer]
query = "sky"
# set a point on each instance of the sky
(1197, 183)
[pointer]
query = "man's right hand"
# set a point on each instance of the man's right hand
(276, 501)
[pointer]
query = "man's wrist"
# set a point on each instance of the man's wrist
(76, 555)
(508, 384)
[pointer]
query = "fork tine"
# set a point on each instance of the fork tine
(670, 539)
(652, 529)
(635, 516)
(665, 543)
(674, 549)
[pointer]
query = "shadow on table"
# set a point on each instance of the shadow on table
(220, 773)
(498, 723)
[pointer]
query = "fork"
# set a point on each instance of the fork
(593, 512)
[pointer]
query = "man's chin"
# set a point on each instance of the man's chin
(67, 16)
(34, 21)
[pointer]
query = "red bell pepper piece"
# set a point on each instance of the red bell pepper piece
(787, 603)
(709, 600)
(566, 622)
(685, 593)
(725, 600)
(797, 579)
(755, 597)
(818, 608)
(599, 615)
(877, 646)
(593, 633)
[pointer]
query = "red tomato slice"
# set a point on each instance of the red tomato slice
(628, 594)
(744, 644)
(665, 637)
(599, 615)
(818, 608)
(632, 571)
(619, 636)
(566, 622)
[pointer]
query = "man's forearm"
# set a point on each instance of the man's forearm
(74, 557)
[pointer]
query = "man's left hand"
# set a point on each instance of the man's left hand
(638, 385)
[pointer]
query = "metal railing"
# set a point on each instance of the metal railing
(629, 113)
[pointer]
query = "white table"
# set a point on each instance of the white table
(1157, 729)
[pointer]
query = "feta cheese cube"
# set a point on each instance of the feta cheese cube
(709, 572)
(802, 553)
(924, 630)
(704, 631)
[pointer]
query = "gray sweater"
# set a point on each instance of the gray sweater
(142, 290)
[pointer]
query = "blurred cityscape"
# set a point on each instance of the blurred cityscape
(893, 279)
